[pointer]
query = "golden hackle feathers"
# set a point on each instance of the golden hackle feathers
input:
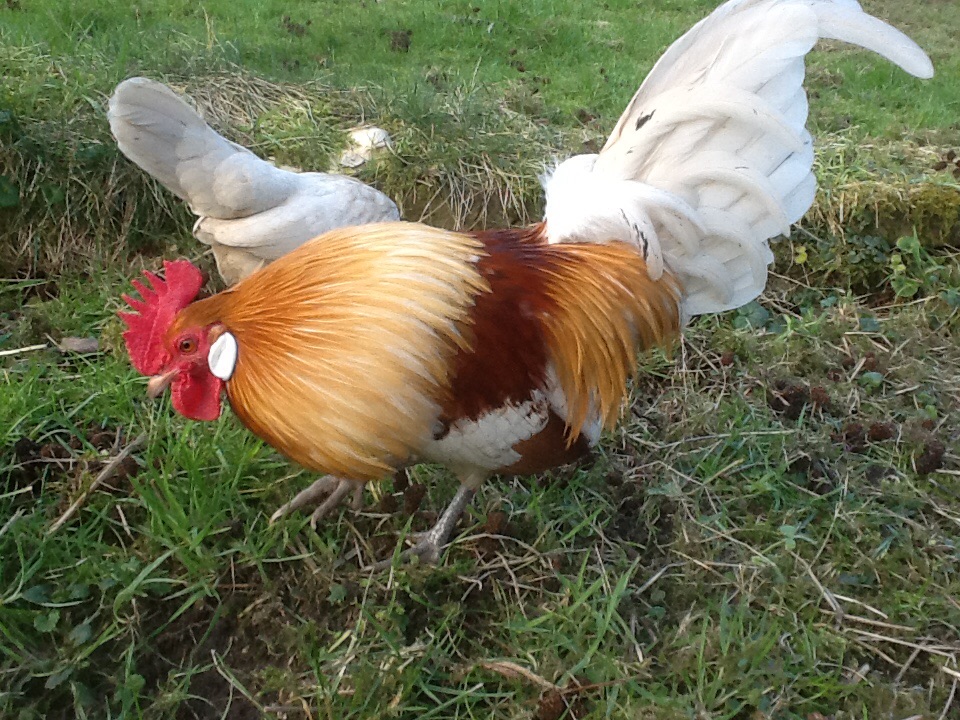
(345, 344)
(607, 308)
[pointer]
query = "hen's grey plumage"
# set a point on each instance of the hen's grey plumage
(250, 212)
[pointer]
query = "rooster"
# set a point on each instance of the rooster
(250, 212)
(508, 351)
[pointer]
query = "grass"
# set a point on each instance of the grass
(483, 98)
(535, 49)
(772, 531)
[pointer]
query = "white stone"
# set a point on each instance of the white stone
(365, 141)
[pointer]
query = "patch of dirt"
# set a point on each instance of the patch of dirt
(568, 704)
(881, 431)
(413, 497)
(789, 397)
(294, 28)
(584, 116)
(591, 146)
(647, 520)
(43, 291)
(497, 523)
(875, 473)
(931, 457)
(423, 520)
(255, 625)
(388, 504)
(813, 473)
(869, 362)
(821, 399)
(69, 462)
(192, 638)
(28, 468)
(853, 437)
(400, 481)
(400, 40)
(383, 544)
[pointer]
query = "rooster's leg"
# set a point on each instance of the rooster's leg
(333, 489)
(430, 543)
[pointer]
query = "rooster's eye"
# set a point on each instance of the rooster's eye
(188, 345)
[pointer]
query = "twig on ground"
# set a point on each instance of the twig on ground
(869, 621)
(512, 670)
(953, 693)
(906, 666)
(9, 523)
(875, 650)
(656, 576)
(861, 604)
(831, 599)
(19, 351)
(228, 675)
(105, 474)
(950, 671)
(941, 650)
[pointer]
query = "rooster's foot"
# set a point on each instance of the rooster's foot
(431, 543)
(334, 489)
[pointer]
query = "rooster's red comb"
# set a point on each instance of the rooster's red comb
(161, 302)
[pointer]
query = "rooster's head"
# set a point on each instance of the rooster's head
(170, 351)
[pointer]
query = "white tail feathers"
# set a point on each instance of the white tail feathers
(711, 158)
(250, 211)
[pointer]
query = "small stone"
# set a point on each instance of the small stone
(365, 143)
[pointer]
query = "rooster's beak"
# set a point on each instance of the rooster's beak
(159, 383)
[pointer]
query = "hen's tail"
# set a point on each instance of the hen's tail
(168, 139)
(711, 158)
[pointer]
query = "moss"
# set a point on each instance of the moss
(893, 209)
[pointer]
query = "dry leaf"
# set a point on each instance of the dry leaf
(83, 346)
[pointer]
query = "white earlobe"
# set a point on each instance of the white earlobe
(222, 357)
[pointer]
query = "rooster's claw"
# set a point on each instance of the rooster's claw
(334, 489)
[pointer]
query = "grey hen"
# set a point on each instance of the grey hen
(250, 212)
